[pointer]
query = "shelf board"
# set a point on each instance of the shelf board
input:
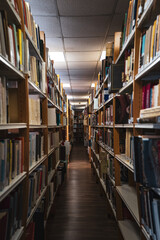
(59, 91)
(122, 158)
(12, 15)
(127, 87)
(31, 126)
(147, 236)
(52, 104)
(55, 126)
(151, 66)
(103, 126)
(12, 126)
(124, 125)
(18, 234)
(129, 230)
(34, 51)
(37, 164)
(145, 14)
(14, 183)
(36, 206)
(97, 155)
(106, 103)
(111, 179)
(106, 148)
(127, 43)
(147, 125)
(50, 176)
(51, 151)
(9, 71)
(129, 197)
(35, 90)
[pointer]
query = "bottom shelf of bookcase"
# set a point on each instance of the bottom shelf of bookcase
(18, 234)
(129, 230)
(36, 205)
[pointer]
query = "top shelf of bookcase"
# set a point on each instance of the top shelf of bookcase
(145, 14)
(129, 42)
(33, 49)
(8, 70)
(12, 14)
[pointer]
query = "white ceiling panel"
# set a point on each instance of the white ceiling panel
(83, 44)
(81, 73)
(60, 66)
(83, 56)
(54, 44)
(85, 26)
(43, 8)
(62, 72)
(65, 78)
(80, 84)
(81, 65)
(122, 6)
(50, 25)
(85, 7)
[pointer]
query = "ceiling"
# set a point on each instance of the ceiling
(80, 29)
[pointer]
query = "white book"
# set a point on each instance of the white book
(2, 38)
(43, 77)
(52, 116)
(11, 45)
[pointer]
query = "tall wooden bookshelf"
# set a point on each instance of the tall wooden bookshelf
(114, 154)
(19, 133)
(78, 130)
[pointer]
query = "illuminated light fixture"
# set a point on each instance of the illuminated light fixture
(66, 85)
(103, 55)
(78, 103)
(77, 97)
(57, 56)
(92, 85)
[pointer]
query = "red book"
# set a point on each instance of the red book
(148, 90)
(144, 97)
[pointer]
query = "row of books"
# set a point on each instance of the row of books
(150, 212)
(141, 8)
(150, 95)
(36, 186)
(11, 159)
(13, 46)
(53, 140)
(11, 213)
(111, 167)
(129, 21)
(32, 27)
(149, 43)
(129, 145)
(109, 115)
(3, 100)
(38, 73)
(15, 5)
(35, 112)
(36, 147)
(147, 160)
(128, 65)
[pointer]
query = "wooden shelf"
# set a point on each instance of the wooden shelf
(100, 89)
(129, 197)
(59, 91)
(18, 234)
(146, 70)
(12, 126)
(51, 151)
(129, 230)
(52, 104)
(148, 8)
(50, 176)
(36, 205)
(106, 148)
(37, 126)
(35, 90)
(12, 15)
(147, 236)
(147, 125)
(34, 51)
(9, 71)
(14, 183)
(55, 126)
(128, 42)
(103, 126)
(37, 164)
(127, 87)
(106, 103)
(122, 158)
(124, 125)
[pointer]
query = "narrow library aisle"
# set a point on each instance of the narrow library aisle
(79, 211)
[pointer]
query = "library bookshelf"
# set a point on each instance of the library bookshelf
(34, 122)
(118, 142)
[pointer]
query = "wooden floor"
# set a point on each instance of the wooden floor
(79, 210)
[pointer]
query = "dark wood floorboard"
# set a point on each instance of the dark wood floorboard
(79, 211)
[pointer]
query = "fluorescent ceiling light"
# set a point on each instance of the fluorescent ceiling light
(78, 103)
(77, 97)
(57, 56)
(103, 55)
(93, 85)
(66, 85)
